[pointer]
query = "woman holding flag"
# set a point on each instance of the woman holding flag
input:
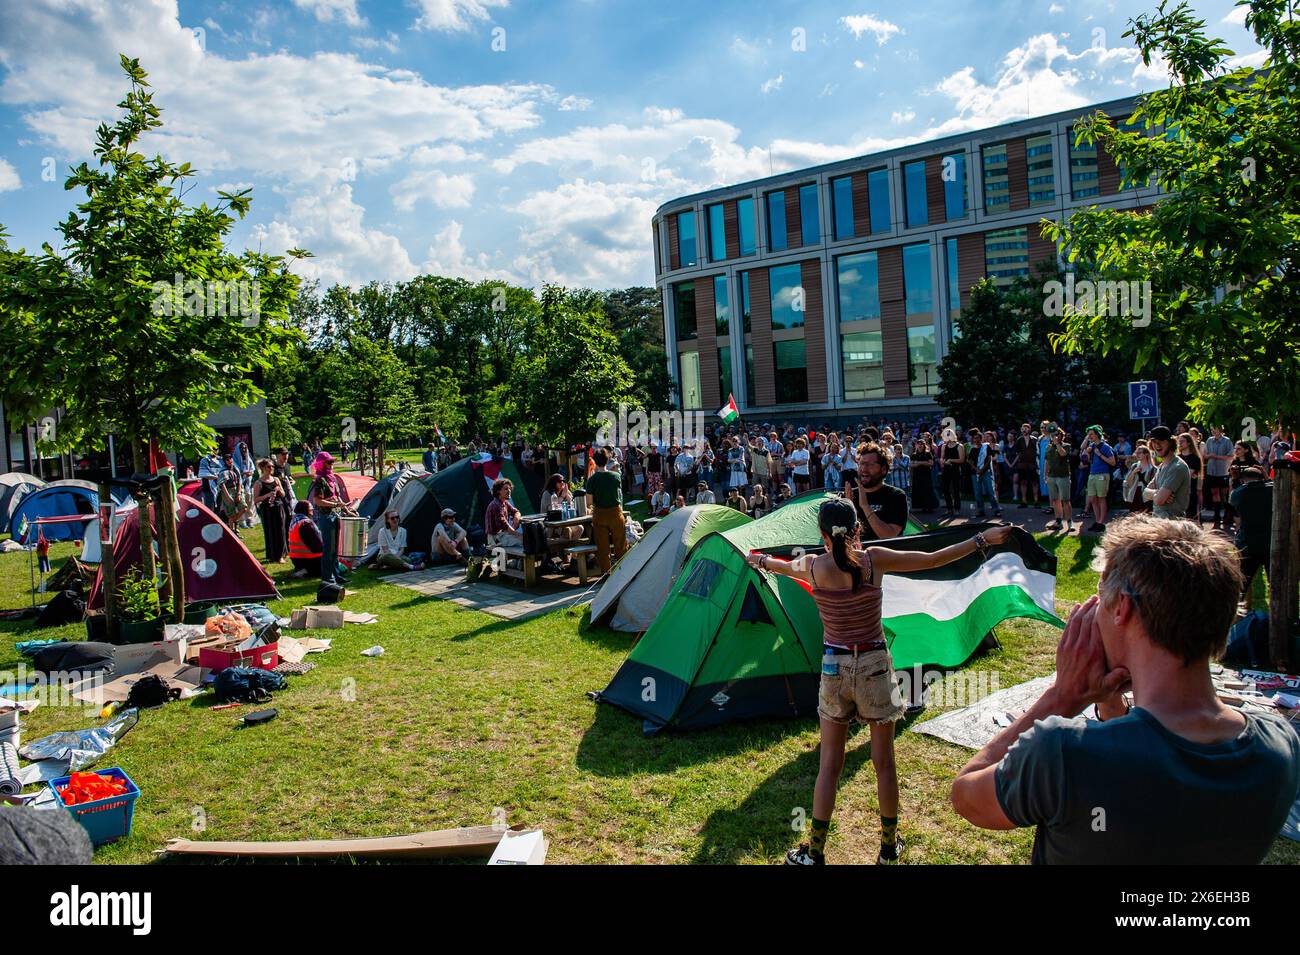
(857, 681)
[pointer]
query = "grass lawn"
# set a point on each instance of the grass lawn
(465, 713)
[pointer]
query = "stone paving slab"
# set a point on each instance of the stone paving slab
(447, 582)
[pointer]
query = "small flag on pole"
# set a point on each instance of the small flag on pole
(729, 412)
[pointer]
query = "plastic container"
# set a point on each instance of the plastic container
(105, 820)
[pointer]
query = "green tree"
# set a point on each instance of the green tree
(1220, 250)
(636, 316)
(129, 326)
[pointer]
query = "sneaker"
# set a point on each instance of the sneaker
(1069, 527)
(1054, 525)
(1099, 528)
(803, 856)
(896, 856)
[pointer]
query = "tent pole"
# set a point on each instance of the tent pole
(108, 568)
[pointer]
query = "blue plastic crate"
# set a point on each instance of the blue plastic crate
(103, 819)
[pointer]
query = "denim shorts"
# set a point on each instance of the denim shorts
(859, 689)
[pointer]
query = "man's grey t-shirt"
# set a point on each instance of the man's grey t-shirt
(1130, 792)
(1175, 475)
(1222, 445)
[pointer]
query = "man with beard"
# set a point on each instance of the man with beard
(882, 509)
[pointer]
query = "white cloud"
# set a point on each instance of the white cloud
(433, 186)
(775, 83)
(904, 116)
(446, 255)
(454, 15)
(745, 49)
(1253, 60)
(1056, 8)
(9, 179)
(858, 64)
(1237, 15)
(391, 43)
(326, 10)
(574, 103)
(862, 23)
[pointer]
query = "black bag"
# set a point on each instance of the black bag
(75, 657)
(151, 691)
(329, 594)
(66, 607)
(246, 684)
(534, 535)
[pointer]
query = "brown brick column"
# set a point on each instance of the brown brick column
(760, 323)
(706, 326)
(893, 322)
(814, 328)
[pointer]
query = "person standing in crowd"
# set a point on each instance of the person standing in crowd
(881, 509)
(952, 457)
(984, 457)
(682, 464)
(857, 681)
(831, 467)
(230, 494)
(1191, 456)
(282, 471)
(1056, 469)
(900, 472)
(608, 525)
(430, 458)
(760, 461)
(502, 522)
(1026, 462)
(736, 464)
(1101, 461)
(1252, 503)
(450, 541)
(328, 499)
(272, 506)
(799, 466)
(1165, 600)
(923, 497)
(1141, 472)
(210, 468)
(777, 452)
(247, 472)
(1169, 492)
(1218, 458)
(654, 471)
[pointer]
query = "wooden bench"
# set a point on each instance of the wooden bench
(529, 572)
(582, 553)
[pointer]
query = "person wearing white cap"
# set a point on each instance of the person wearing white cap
(449, 539)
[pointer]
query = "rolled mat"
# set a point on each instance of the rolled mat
(10, 783)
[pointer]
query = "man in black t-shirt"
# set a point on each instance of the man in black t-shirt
(882, 508)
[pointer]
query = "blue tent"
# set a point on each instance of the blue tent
(14, 486)
(56, 499)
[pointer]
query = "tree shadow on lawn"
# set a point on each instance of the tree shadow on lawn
(1082, 555)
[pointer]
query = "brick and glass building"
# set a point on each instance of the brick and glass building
(836, 289)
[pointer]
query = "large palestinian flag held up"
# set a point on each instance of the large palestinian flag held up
(732, 642)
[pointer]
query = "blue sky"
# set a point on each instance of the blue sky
(526, 140)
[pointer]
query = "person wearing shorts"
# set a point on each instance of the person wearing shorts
(857, 679)
(1056, 471)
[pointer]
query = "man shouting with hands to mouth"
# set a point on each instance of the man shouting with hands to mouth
(1177, 778)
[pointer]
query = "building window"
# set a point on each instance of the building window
(1006, 255)
(954, 285)
(863, 364)
(717, 234)
(1083, 169)
(750, 394)
(776, 240)
(724, 371)
(722, 305)
(878, 199)
(922, 358)
(914, 199)
(954, 186)
(842, 200)
(916, 279)
(787, 296)
(791, 365)
(809, 217)
(688, 363)
(1042, 178)
(997, 187)
(744, 302)
(684, 310)
(686, 238)
(745, 220)
(858, 285)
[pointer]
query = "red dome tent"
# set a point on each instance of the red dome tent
(218, 566)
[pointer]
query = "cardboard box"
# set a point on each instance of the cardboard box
(520, 848)
(218, 656)
(316, 618)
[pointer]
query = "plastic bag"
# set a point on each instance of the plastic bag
(81, 748)
(230, 624)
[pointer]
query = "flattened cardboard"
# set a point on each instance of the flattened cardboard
(442, 843)
(186, 676)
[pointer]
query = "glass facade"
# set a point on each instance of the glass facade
(878, 199)
(1042, 177)
(842, 200)
(750, 394)
(688, 364)
(1083, 169)
(684, 311)
(922, 358)
(997, 187)
(809, 215)
(717, 234)
(858, 287)
(954, 285)
(776, 240)
(857, 284)
(1006, 255)
(787, 296)
(914, 198)
(724, 371)
(722, 305)
(916, 279)
(954, 186)
(862, 359)
(744, 301)
(791, 365)
(745, 222)
(686, 238)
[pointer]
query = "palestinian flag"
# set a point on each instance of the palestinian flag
(487, 467)
(729, 412)
(940, 616)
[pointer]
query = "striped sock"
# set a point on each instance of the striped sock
(888, 832)
(821, 828)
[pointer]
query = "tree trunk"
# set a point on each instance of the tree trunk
(1284, 566)
(171, 550)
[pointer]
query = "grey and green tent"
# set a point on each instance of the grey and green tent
(732, 642)
(640, 582)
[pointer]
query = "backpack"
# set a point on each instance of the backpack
(246, 684)
(150, 691)
(1248, 642)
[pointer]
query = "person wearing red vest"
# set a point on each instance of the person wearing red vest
(305, 543)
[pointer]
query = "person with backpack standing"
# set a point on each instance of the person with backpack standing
(857, 678)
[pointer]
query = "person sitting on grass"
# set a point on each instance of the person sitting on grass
(737, 501)
(305, 543)
(760, 503)
(450, 542)
(857, 680)
(392, 544)
(678, 503)
(1099, 791)
(703, 495)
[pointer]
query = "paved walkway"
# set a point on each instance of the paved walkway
(507, 601)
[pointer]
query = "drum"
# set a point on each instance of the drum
(352, 536)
